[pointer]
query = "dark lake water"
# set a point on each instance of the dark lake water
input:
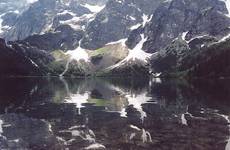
(113, 114)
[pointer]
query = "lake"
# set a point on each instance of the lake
(114, 113)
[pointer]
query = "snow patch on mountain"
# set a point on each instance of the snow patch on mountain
(132, 18)
(31, 1)
(183, 36)
(227, 147)
(135, 54)
(122, 41)
(47, 28)
(1, 124)
(94, 8)
(33, 63)
(75, 21)
(120, 1)
(3, 28)
(138, 53)
(224, 38)
(228, 6)
(66, 2)
(135, 26)
(78, 54)
(66, 12)
(1, 20)
(146, 19)
(227, 3)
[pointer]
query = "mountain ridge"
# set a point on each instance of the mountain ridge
(151, 38)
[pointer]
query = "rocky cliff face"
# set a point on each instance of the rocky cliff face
(9, 11)
(117, 20)
(102, 21)
(63, 38)
(44, 16)
(189, 18)
(201, 57)
(21, 59)
(174, 31)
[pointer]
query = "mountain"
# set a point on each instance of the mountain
(189, 19)
(21, 59)
(198, 51)
(116, 21)
(116, 37)
(173, 28)
(201, 57)
(134, 64)
(9, 11)
(45, 16)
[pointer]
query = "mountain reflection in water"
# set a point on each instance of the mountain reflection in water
(53, 113)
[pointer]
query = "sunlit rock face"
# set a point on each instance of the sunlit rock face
(184, 49)
(63, 38)
(43, 16)
(35, 20)
(117, 17)
(13, 5)
(9, 11)
(195, 18)
(116, 21)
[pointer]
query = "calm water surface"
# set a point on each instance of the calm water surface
(126, 114)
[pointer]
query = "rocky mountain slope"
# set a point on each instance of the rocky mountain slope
(189, 19)
(118, 37)
(21, 59)
(9, 11)
(202, 57)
